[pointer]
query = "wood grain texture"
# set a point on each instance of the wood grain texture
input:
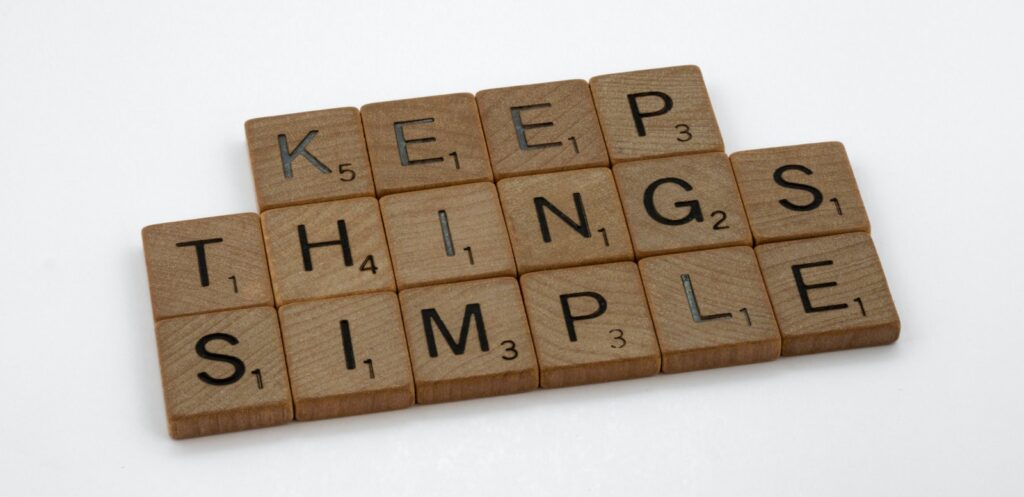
(710, 309)
(612, 342)
(799, 191)
(374, 375)
(444, 143)
(594, 231)
(846, 302)
(251, 393)
(323, 157)
(540, 128)
(206, 265)
(327, 270)
(656, 113)
(678, 204)
(483, 347)
(479, 245)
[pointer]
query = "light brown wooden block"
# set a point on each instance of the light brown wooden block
(564, 219)
(677, 204)
(347, 356)
(540, 128)
(425, 143)
(710, 309)
(829, 293)
(468, 340)
(206, 265)
(328, 249)
(590, 324)
(656, 113)
(308, 157)
(447, 234)
(799, 191)
(223, 371)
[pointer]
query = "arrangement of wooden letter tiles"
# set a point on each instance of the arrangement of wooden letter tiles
(539, 236)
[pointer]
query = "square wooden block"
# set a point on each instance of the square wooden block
(308, 157)
(540, 128)
(590, 324)
(829, 293)
(656, 113)
(447, 234)
(677, 204)
(329, 249)
(347, 356)
(468, 340)
(710, 309)
(425, 143)
(564, 219)
(206, 265)
(223, 372)
(799, 192)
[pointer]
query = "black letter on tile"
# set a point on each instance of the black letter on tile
(232, 360)
(403, 142)
(694, 214)
(816, 196)
(581, 227)
(472, 314)
(346, 249)
(570, 319)
(803, 287)
(638, 117)
(200, 245)
(691, 298)
(300, 149)
(517, 121)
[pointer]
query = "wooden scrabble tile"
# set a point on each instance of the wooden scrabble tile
(676, 204)
(590, 324)
(347, 356)
(829, 293)
(564, 219)
(308, 157)
(541, 128)
(799, 191)
(710, 309)
(425, 143)
(328, 249)
(223, 371)
(656, 113)
(447, 234)
(468, 340)
(206, 265)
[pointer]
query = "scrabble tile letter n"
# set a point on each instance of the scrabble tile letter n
(308, 157)
(468, 340)
(799, 192)
(829, 293)
(223, 371)
(425, 143)
(656, 113)
(206, 265)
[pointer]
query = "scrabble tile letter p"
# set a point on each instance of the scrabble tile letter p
(425, 143)
(656, 113)
(205, 265)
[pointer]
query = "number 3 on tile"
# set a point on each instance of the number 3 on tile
(617, 338)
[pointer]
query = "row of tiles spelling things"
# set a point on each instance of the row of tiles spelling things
(554, 328)
(529, 223)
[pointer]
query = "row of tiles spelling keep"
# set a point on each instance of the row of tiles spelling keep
(430, 142)
(229, 370)
(528, 223)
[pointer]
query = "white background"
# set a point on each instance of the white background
(115, 115)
